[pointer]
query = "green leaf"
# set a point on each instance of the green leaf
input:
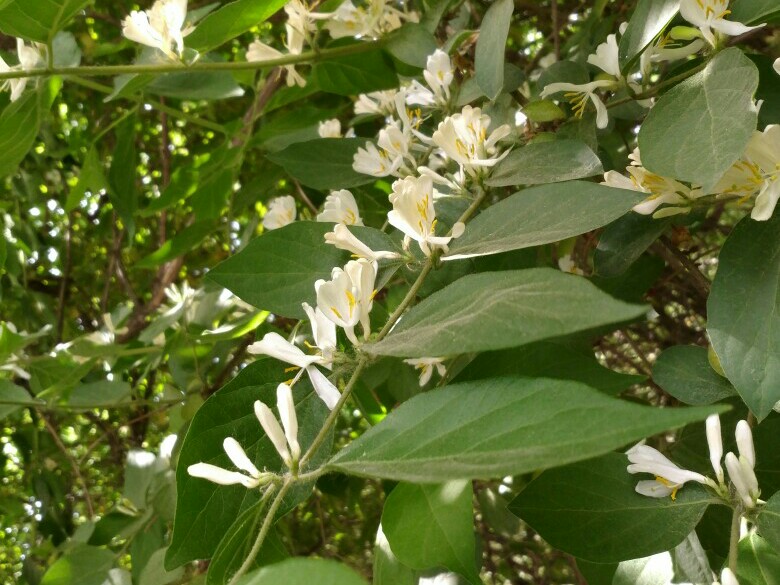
(541, 215)
(304, 571)
(491, 44)
(753, 11)
(540, 111)
(11, 393)
(122, 174)
(546, 162)
(353, 74)
(623, 241)
(590, 510)
(19, 124)
(701, 126)
(235, 547)
(325, 163)
(101, 393)
(499, 427)
(276, 272)
(757, 563)
(599, 573)
(183, 242)
(387, 569)
(411, 44)
(685, 372)
(546, 359)
(432, 526)
(497, 310)
(83, 565)
(154, 572)
(744, 323)
(40, 20)
(769, 522)
(648, 21)
(197, 85)
(206, 511)
(230, 21)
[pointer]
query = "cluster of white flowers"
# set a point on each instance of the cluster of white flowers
(708, 16)
(669, 478)
(755, 179)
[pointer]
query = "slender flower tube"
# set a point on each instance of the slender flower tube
(715, 443)
(743, 478)
(284, 440)
(745, 446)
(344, 239)
(251, 478)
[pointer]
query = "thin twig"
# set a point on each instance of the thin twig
(676, 258)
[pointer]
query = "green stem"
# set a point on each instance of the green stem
(734, 539)
(268, 521)
(652, 92)
(177, 67)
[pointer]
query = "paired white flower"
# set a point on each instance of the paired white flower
(281, 212)
(414, 214)
(159, 27)
(284, 437)
(341, 207)
(438, 75)
(757, 173)
(464, 138)
(709, 16)
(426, 367)
(376, 102)
(323, 332)
(676, 197)
(344, 239)
(347, 298)
(369, 20)
(669, 478)
(251, 477)
(29, 58)
(329, 128)
(741, 469)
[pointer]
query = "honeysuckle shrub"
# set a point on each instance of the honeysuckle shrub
(418, 292)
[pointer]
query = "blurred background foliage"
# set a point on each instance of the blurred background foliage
(131, 193)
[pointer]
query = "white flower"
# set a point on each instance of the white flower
(606, 57)
(438, 74)
(369, 20)
(259, 51)
(727, 577)
(426, 367)
(463, 137)
(579, 95)
(347, 298)
(281, 211)
(663, 191)
(376, 102)
(371, 161)
(29, 58)
(668, 477)
(709, 16)
(340, 207)
(302, 20)
(285, 441)
(566, 264)
(413, 213)
(745, 446)
(715, 443)
(757, 173)
(743, 478)
(395, 141)
(344, 239)
(777, 65)
(324, 334)
(159, 27)
(329, 128)
(251, 478)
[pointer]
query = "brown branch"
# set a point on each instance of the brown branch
(272, 82)
(305, 198)
(673, 256)
(238, 355)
